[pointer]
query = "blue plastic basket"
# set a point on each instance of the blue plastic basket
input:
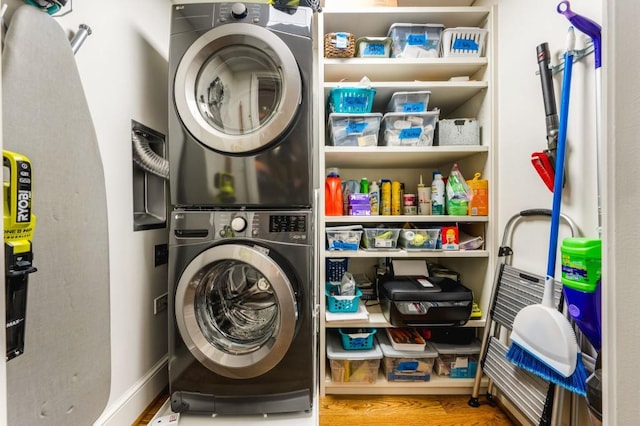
(350, 342)
(341, 304)
(336, 267)
(352, 100)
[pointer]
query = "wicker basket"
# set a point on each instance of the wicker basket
(335, 46)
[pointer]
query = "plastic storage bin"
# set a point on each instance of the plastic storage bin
(409, 101)
(403, 129)
(343, 239)
(354, 129)
(458, 131)
(339, 45)
(380, 238)
(373, 47)
(419, 239)
(457, 361)
(463, 42)
(357, 338)
(413, 366)
(351, 100)
(341, 304)
(352, 366)
(415, 40)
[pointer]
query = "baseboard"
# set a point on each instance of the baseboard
(126, 409)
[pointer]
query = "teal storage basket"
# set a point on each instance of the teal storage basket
(351, 100)
(341, 304)
(357, 338)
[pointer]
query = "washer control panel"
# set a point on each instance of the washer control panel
(253, 13)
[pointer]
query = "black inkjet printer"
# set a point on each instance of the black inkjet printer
(409, 297)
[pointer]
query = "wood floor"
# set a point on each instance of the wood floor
(367, 410)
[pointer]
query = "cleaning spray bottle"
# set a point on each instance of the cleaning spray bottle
(374, 198)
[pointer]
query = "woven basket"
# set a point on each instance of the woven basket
(330, 49)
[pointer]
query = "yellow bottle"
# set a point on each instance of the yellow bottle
(385, 197)
(396, 198)
(479, 203)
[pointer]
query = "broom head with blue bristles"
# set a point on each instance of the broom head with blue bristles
(543, 343)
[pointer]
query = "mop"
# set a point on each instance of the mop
(581, 277)
(542, 340)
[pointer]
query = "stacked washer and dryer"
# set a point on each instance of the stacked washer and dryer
(241, 297)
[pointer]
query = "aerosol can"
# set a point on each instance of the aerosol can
(19, 224)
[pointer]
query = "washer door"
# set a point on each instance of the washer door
(236, 310)
(237, 88)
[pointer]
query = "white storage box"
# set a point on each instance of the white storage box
(457, 361)
(403, 129)
(459, 131)
(414, 366)
(409, 102)
(463, 42)
(415, 40)
(373, 47)
(354, 129)
(352, 365)
(343, 237)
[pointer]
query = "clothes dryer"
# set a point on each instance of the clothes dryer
(241, 302)
(240, 107)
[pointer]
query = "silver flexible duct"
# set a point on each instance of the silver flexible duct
(146, 158)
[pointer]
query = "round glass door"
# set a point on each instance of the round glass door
(236, 310)
(237, 88)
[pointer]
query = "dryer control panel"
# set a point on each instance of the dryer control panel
(253, 13)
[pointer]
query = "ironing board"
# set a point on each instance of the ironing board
(64, 375)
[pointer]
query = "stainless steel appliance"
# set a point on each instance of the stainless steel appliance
(240, 107)
(241, 332)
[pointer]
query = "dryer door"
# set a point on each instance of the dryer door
(236, 310)
(237, 88)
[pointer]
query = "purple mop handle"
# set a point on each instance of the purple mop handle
(585, 25)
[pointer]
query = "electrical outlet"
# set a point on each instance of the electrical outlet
(160, 303)
(160, 254)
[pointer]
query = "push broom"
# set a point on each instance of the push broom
(543, 341)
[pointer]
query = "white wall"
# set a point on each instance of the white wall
(622, 336)
(123, 66)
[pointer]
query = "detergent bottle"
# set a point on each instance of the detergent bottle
(333, 193)
(437, 194)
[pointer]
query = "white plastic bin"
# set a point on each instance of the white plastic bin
(457, 361)
(415, 40)
(409, 102)
(354, 129)
(373, 47)
(463, 42)
(352, 365)
(411, 366)
(403, 129)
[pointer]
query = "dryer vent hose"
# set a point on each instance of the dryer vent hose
(146, 158)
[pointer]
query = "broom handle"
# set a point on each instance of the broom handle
(547, 297)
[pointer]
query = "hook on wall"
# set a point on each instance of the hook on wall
(578, 55)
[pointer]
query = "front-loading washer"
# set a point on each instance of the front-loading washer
(241, 302)
(240, 106)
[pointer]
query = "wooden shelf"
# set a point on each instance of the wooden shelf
(447, 96)
(422, 70)
(436, 386)
(377, 320)
(403, 218)
(384, 157)
(408, 254)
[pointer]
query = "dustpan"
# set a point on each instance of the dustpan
(513, 290)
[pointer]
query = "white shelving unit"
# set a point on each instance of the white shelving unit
(454, 99)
